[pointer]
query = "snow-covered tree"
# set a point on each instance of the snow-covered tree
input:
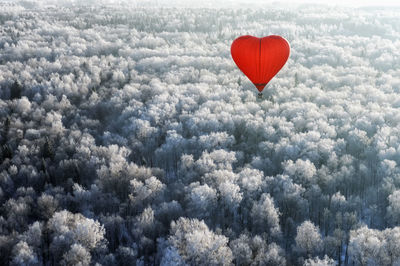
(196, 244)
(308, 238)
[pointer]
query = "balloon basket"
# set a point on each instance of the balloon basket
(260, 95)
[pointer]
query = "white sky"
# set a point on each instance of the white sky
(330, 2)
(351, 2)
(255, 3)
(356, 3)
(225, 3)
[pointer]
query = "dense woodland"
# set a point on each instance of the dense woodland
(129, 137)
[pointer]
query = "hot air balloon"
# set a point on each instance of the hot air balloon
(260, 59)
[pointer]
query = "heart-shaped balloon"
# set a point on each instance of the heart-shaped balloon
(260, 59)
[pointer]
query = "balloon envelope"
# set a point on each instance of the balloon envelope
(260, 59)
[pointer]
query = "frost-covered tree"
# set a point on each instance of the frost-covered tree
(67, 229)
(325, 261)
(77, 255)
(196, 244)
(23, 255)
(308, 238)
(265, 217)
(393, 209)
(242, 250)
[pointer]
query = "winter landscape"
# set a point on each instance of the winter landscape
(128, 136)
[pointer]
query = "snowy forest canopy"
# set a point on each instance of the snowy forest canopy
(129, 137)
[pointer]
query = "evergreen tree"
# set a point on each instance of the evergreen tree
(15, 91)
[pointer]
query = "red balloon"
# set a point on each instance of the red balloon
(260, 59)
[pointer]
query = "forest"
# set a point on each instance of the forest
(129, 137)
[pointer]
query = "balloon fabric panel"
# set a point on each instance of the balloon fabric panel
(260, 59)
